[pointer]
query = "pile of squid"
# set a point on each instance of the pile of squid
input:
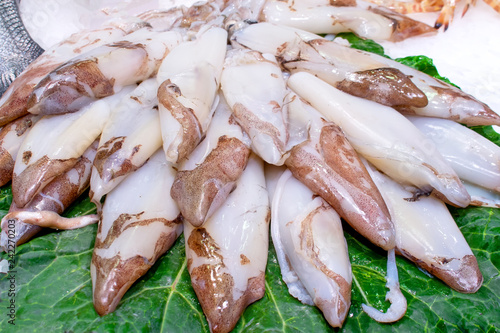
(228, 123)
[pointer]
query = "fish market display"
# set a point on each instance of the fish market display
(229, 119)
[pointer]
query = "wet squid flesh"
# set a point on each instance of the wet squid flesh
(336, 63)
(210, 173)
(226, 229)
(474, 158)
(385, 138)
(13, 103)
(11, 138)
(227, 255)
(366, 21)
(427, 234)
(102, 72)
(330, 167)
(254, 88)
(311, 248)
(188, 81)
(65, 138)
(130, 136)
(139, 223)
(44, 209)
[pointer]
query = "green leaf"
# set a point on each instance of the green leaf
(362, 44)
(54, 290)
(424, 64)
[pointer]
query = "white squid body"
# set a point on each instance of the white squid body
(102, 71)
(227, 256)
(481, 196)
(365, 21)
(474, 158)
(54, 145)
(44, 209)
(11, 137)
(311, 249)
(254, 88)
(13, 101)
(209, 174)
(352, 72)
(329, 166)
(427, 234)
(140, 222)
(131, 135)
(337, 62)
(188, 80)
(385, 138)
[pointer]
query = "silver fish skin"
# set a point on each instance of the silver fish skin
(17, 49)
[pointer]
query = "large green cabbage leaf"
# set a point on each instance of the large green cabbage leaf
(51, 289)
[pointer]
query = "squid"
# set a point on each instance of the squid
(311, 248)
(65, 138)
(385, 138)
(353, 70)
(11, 138)
(227, 256)
(139, 223)
(481, 196)
(44, 209)
(366, 21)
(210, 173)
(188, 82)
(101, 72)
(254, 88)
(13, 103)
(474, 158)
(427, 234)
(130, 136)
(330, 167)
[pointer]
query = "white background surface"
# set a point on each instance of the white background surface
(468, 53)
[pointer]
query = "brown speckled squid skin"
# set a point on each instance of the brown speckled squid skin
(77, 83)
(19, 126)
(216, 298)
(249, 122)
(331, 169)
(384, 85)
(108, 165)
(80, 83)
(403, 26)
(201, 190)
(192, 131)
(16, 105)
(114, 276)
(36, 176)
(56, 196)
(387, 86)
(467, 279)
